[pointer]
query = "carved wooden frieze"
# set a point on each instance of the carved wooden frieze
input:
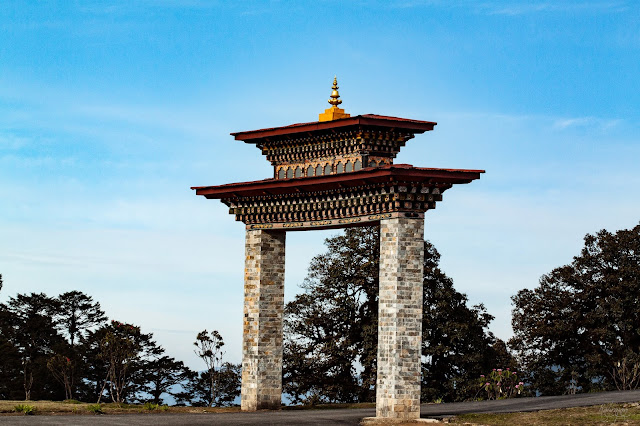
(346, 205)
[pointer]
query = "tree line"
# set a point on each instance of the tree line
(577, 331)
(64, 347)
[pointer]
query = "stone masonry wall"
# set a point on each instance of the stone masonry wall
(400, 318)
(262, 330)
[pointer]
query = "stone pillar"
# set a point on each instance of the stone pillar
(400, 318)
(262, 331)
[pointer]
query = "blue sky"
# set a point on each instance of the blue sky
(110, 111)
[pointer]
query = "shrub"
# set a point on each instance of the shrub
(150, 406)
(95, 408)
(25, 408)
(501, 384)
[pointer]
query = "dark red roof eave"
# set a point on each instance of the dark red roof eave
(415, 126)
(397, 172)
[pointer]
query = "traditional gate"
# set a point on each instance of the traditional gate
(337, 172)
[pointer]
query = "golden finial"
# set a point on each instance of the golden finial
(334, 112)
(334, 94)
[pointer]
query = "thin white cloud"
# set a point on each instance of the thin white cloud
(405, 4)
(518, 7)
(127, 6)
(86, 113)
(244, 7)
(526, 8)
(11, 142)
(36, 162)
(548, 121)
(592, 122)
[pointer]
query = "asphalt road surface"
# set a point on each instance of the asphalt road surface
(326, 417)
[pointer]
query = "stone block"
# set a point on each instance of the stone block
(263, 309)
(400, 318)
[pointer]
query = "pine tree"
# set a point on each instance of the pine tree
(34, 336)
(76, 314)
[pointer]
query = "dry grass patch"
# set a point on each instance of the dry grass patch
(76, 407)
(622, 414)
(83, 408)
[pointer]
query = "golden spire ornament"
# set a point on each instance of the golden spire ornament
(333, 113)
(334, 94)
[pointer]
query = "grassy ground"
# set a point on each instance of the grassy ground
(617, 414)
(74, 407)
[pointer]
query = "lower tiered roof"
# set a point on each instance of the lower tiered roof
(335, 200)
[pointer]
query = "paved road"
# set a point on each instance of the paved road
(528, 404)
(326, 417)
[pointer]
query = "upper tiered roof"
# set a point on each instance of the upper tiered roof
(370, 121)
(336, 143)
(335, 172)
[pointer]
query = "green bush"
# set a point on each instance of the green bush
(150, 406)
(95, 409)
(71, 401)
(25, 408)
(501, 384)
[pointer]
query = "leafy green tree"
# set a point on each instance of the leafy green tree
(76, 314)
(163, 373)
(579, 330)
(10, 359)
(126, 351)
(331, 328)
(33, 335)
(37, 362)
(456, 346)
(93, 368)
(63, 370)
(228, 384)
(197, 388)
(219, 384)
